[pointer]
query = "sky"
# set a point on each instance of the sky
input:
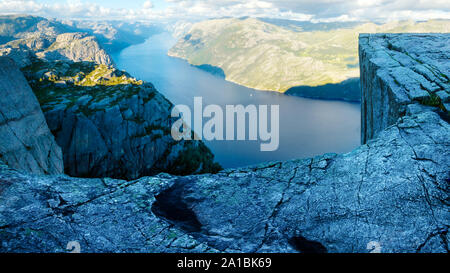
(196, 10)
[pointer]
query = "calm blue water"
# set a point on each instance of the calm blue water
(307, 127)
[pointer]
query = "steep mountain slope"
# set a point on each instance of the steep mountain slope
(77, 47)
(26, 142)
(109, 124)
(23, 36)
(274, 55)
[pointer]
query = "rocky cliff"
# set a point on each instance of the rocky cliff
(26, 142)
(109, 124)
(392, 192)
(398, 74)
(75, 47)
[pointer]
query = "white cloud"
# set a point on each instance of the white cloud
(148, 5)
(76, 9)
(315, 10)
(19, 6)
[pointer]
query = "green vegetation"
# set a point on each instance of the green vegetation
(435, 101)
(432, 100)
(79, 73)
(69, 83)
(108, 76)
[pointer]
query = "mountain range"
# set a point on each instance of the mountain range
(105, 122)
(277, 55)
(112, 35)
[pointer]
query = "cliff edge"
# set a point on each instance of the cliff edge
(399, 73)
(26, 141)
(391, 193)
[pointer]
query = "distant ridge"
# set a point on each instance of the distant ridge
(277, 54)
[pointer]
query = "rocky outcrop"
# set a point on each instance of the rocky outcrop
(77, 47)
(25, 38)
(391, 192)
(100, 214)
(26, 142)
(22, 58)
(109, 124)
(399, 70)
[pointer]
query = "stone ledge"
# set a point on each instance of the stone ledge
(398, 70)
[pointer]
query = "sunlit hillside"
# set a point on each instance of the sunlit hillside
(274, 56)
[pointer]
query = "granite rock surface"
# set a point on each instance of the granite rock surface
(26, 141)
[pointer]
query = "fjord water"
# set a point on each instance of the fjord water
(307, 127)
